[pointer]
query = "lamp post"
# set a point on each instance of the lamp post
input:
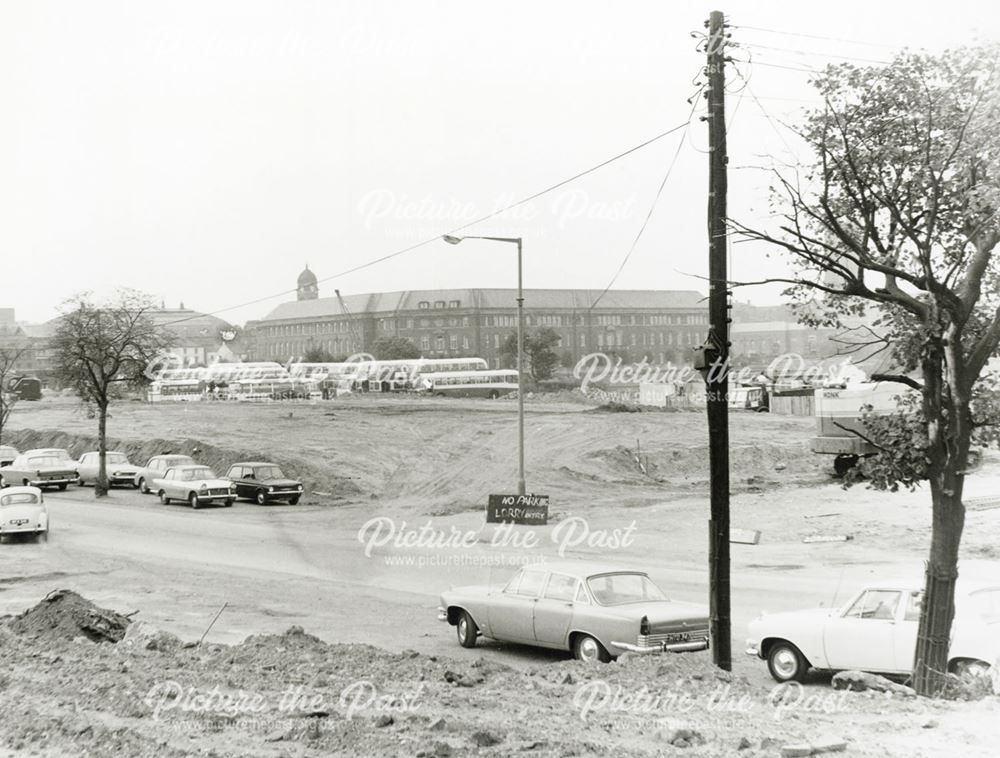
(520, 350)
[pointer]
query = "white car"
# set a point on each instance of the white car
(23, 511)
(117, 466)
(196, 484)
(876, 631)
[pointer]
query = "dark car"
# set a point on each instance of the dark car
(263, 482)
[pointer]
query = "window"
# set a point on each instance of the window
(875, 604)
(583, 340)
(439, 342)
(913, 600)
(581, 595)
(453, 342)
(453, 303)
(531, 583)
(465, 343)
(409, 323)
(439, 303)
(425, 343)
(465, 320)
(423, 304)
(496, 341)
(560, 587)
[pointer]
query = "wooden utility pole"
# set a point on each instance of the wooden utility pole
(717, 378)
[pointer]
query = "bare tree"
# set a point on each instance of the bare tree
(9, 356)
(102, 349)
(897, 214)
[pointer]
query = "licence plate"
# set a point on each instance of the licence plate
(18, 521)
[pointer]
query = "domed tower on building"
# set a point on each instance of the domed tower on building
(308, 287)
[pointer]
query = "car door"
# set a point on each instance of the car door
(906, 630)
(554, 610)
(864, 636)
(236, 475)
(512, 611)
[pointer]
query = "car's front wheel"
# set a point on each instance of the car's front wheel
(293, 500)
(142, 486)
(467, 630)
(261, 497)
(3, 482)
(589, 650)
(193, 501)
(164, 499)
(786, 663)
(230, 501)
(62, 487)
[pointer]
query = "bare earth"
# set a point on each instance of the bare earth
(432, 462)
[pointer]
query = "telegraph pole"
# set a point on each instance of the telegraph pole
(717, 378)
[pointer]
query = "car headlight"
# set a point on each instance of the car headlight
(232, 487)
(270, 489)
(203, 487)
(300, 488)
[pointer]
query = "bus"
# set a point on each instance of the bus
(487, 383)
(176, 385)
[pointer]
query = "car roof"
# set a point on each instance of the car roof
(170, 456)
(45, 450)
(581, 569)
(189, 466)
(20, 490)
(107, 452)
(253, 463)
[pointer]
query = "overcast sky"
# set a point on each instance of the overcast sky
(206, 151)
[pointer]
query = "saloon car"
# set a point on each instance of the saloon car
(7, 455)
(263, 482)
(58, 452)
(117, 466)
(876, 631)
(22, 511)
(155, 468)
(596, 611)
(38, 469)
(197, 485)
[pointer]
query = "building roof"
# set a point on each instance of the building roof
(486, 299)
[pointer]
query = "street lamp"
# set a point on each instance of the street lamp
(451, 240)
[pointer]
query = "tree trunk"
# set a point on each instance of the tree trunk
(101, 483)
(949, 431)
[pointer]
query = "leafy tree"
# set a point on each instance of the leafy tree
(317, 354)
(395, 349)
(541, 357)
(100, 349)
(896, 213)
(9, 356)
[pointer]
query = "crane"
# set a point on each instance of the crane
(360, 345)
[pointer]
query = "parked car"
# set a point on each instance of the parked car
(876, 631)
(23, 511)
(7, 455)
(116, 464)
(156, 466)
(263, 482)
(196, 484)
(59, 452)
(38, 469)
(596, 611)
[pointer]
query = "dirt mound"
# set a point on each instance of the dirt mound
(63, 614)
(315, 478)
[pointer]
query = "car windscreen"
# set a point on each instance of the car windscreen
(117, 458)
(190, 474)
(19, 498)
(45, 460)
(268, 472)
(621, 589)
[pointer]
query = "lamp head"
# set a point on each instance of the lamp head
(452, 240)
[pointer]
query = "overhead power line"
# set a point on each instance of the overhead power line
(437, 237)
(816, 36)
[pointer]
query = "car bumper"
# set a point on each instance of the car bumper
(666, 647)
(442, 614)
(753, 648)
(53, 482)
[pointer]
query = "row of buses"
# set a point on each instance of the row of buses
(265, 381)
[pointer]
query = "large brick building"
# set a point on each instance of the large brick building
(660, 325)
